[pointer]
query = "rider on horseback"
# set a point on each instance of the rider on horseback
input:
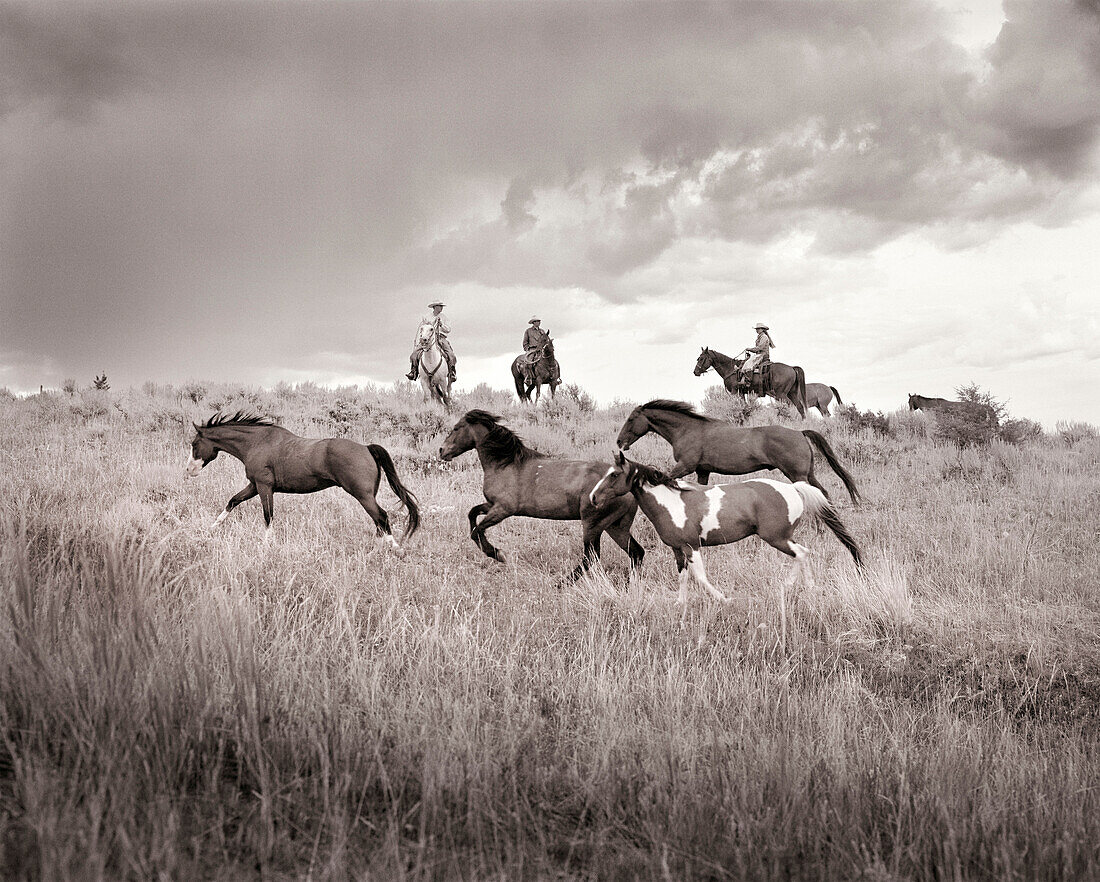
(442, 329)
(534, 339)
(760, 356)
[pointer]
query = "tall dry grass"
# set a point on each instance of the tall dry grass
(181, 703)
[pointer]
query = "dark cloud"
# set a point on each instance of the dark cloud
(221, 188)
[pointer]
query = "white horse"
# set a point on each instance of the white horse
(434, 373)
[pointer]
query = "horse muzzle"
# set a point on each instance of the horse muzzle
(193, 468)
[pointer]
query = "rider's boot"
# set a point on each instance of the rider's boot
(415, 368)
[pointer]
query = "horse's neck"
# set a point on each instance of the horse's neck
(669, 426)
(723, 364)
(235, 440)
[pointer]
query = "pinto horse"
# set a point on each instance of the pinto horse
(688, 516)
(704, 445)
(276, 460)
(519, 480)
(787, 383)
(434, 373)
(544, 370)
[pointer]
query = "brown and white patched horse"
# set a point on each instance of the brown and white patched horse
(688, 516)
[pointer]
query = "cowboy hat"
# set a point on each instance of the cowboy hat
(436, 303)
(533, 319)
(759, 325)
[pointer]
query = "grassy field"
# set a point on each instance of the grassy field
(181, 703)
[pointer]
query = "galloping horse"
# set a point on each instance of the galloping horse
(688, 516)
(787, 383)
(704, 445)
(544, 368)
(521, 481)
(434, 375)
(821, 396)
(276, 460)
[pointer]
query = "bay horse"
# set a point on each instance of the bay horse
(435, 377)
(821, 396)
(704, 445)
(544, 369)
(519, 480)
(688, 516)
(787, 383)
(278, 461)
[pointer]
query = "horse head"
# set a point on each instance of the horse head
(704, 363)
(425, 334)
(203, 452)
(636, 426)
(617, 482)
(914, 404)
(464, 436)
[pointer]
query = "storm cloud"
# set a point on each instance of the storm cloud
(250, 191)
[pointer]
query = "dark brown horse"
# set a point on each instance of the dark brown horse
(704, 445)
(688, 516)
(278, 461)
(974, 408)
(544, 369)
(821, 396)
(786, 383)
(521, 481)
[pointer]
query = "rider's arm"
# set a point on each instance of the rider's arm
(441, 326)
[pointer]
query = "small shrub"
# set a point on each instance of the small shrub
(344, 415)
(101, 383)
(856, 420)
(572, 392)
(194, 392)
(149, 389)
(968, 424)
(1020, 431)
(6, 394)
(1076, 432)
(69, 386)
(971, 394)
(736, 409)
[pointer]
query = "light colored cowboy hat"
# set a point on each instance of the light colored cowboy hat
(759, 325)
(533, 319)
(436, 303)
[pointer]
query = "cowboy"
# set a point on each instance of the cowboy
(439, 325)
(760, 352)
(534, 338)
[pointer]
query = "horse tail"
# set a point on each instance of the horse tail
(382, 457)
(827, 451)
(800, 387)
(836, 395)
(817, 506)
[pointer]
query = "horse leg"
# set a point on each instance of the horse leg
(377, 514)
(474, 513)
(590, 555)
(681, 568)
(703, 475)
(247, 493)
(619, 531)
(267, 502)
(695, 566)
(493, 517)
(680, 469)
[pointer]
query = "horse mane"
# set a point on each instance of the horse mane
(681, 407)
(240, 418)
(501, 445)
(653, 477)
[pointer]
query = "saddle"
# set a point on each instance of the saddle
(764, 372)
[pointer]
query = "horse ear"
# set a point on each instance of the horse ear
(619, 458)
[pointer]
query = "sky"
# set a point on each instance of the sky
(907, 193)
